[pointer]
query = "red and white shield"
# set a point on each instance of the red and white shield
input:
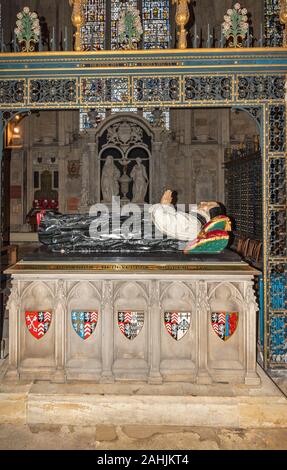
(224, 324)
(130, 323)
(177, 324)
(38, 323)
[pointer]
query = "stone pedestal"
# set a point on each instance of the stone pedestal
(154, 322)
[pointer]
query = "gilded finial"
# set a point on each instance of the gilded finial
(77, 20)
(181, 17)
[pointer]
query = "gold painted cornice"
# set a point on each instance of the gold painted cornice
(125, 268)
(157, 52)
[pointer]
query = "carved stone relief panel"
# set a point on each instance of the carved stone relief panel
(178, 310)
(84, 326)
(124, 150)
(37, 297)
(226, 319)
(131, 306)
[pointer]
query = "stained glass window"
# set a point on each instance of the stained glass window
(93, 31)
(117, 7)
(155, 18)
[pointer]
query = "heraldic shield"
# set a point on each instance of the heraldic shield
(130, 323)
(38, 323)
(224, 324)
(84, 323)
(177, 324)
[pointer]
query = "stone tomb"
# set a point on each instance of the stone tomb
(133, 321)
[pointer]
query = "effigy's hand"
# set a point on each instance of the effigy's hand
(166, 198)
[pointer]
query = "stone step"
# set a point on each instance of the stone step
(216, 405)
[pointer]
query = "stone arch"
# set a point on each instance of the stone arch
(226, 297)
(130, 285)
(232, 287)
(118, 117)
(176, 284)
(37, 295)
(78, 285)
(28, 289)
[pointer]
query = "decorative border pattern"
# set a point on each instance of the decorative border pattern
(12, 93)
(180, 90)
(47, 91)
(129, 268)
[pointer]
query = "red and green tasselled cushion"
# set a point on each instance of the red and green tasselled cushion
(212, 242)
(221, 222)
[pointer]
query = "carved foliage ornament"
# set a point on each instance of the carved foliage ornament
(277, 128)
(164, 89)
(12, 91)
(235, 25)
(261, 87)
(208, 88)
(27, 29)
(130, 27)
(53, 91)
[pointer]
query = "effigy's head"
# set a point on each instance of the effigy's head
(207, 205)
(214, 208)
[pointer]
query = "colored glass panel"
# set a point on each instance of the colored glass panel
(94, 28)
(156, 24)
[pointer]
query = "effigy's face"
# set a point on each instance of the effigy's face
(203, 206)
(207, 205)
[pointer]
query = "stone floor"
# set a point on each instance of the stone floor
(144, 437)
(44, 437)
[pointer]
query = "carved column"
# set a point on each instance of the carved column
(251, 376)
(85, 191)
(154, 333)
(14, 306)
(155, 172)
(107, 314)
(60, 309)
(202, 311)
(94, 176)
(62, 183)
